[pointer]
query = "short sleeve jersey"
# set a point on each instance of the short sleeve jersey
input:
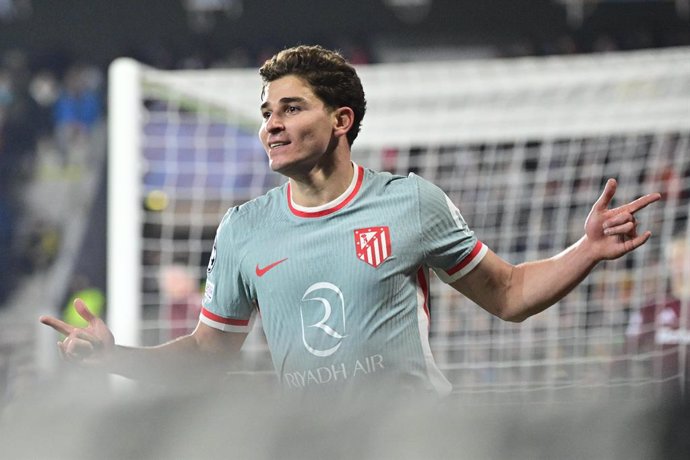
(342, 289)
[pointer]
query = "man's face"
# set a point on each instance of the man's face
(297, 127)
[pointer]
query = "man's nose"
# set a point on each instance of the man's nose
(274, 123)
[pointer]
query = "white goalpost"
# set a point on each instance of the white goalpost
(123, 216)
(522, 146)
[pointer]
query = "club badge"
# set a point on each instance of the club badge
(373, 245)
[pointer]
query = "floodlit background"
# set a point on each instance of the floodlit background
(53, 219)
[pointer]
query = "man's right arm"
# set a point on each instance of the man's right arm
(202, 357)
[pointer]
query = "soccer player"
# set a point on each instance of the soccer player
(337, 261)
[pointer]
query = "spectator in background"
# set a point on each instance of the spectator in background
(77, 110)
(19, 130)
(44, 89)
(181, 299)
(664, 324)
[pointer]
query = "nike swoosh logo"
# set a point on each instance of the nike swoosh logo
(261, 271)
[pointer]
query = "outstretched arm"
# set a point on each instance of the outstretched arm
(202, 356)
(516, 292)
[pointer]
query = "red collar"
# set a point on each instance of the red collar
(333, 206)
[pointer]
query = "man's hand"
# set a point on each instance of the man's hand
(613, 232)
(86, 345)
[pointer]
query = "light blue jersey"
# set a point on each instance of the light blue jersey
(342, 289)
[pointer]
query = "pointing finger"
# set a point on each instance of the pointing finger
(641, 202)
(60, 326)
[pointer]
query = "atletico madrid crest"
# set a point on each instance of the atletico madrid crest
(373, 245)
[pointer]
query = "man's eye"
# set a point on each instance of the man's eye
(292, 109)
(265, 115)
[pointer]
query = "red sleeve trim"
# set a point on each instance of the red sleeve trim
(220, 319)
(469, 258)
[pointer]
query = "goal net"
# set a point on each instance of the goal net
(522, 146)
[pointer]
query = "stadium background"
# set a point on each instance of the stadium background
(53, 196)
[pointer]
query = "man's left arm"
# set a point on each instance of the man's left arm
(516, 292)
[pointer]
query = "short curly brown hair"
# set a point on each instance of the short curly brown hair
(330, 76)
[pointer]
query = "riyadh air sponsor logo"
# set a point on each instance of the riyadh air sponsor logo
(373, 245)
(334, 373)
(329, 330)
(323, 330)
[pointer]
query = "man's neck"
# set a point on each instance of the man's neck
(321, 184)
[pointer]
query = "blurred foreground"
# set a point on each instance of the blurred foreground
(75, 418)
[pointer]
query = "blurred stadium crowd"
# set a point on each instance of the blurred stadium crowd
(45, 115)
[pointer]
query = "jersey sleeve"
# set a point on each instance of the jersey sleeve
(452, 249)
(226, 305)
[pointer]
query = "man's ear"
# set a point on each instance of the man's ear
(344, 117)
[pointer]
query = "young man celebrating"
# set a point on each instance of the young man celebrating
(337, 260)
